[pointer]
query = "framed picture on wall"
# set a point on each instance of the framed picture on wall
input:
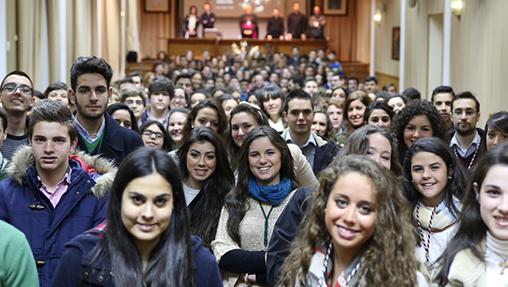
(157, 6)
(396, 43)
(335, 7)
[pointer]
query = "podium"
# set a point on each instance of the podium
(212, 33)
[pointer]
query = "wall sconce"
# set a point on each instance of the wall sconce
(377, 17)
(457, 7)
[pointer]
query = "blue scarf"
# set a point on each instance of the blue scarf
(273, 194)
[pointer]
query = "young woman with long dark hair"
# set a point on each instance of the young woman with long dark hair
(244, 118)
(270, 99)
(357, 218)
(146, 240)
(433, 183)
(496, 130)
(207, 178)
(123, 115)
(208, 113)
(478, 254)
(354, 114)
(266, 182)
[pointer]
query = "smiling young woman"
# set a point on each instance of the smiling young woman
(478, 254)
(418, 119)
(244, 118)
(434, 183)
(147, 220)
(206, 179)
(353, 115)
(358, 215)
(266, 183)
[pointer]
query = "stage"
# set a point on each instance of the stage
(217, 47)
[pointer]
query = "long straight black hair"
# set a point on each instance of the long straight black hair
(170, 262)
(205, 210)
(472, 230)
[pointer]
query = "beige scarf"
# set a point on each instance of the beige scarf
(441, 221)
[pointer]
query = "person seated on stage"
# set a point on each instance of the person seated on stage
(249, 23)
(208, 17)
(275, 26)
(317, 24)
(192, 22)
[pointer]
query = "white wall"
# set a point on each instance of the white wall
(435, 53)
(383, 54)
(480, 53)
(479, 49)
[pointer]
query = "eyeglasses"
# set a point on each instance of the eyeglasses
(12, 87)
(149, 133)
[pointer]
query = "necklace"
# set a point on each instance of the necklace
(502, 259)
(265, 237)
(343, 280)
(503, 264)
(426, 243)
(472, 159)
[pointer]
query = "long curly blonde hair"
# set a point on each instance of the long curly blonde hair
(389, 257)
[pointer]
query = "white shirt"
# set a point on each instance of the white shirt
(497, 251)
(189, 193)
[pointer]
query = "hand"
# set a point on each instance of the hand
(269, 37)
(303, 36)
(248, 278)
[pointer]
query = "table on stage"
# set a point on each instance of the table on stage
(178, 46)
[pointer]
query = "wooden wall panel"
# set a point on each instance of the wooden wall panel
(342, 31)
(154, 30)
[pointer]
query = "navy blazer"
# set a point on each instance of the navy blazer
(324, 156)
(77, 268)
(46, 228)
(117, 143)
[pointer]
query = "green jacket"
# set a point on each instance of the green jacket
(17, 264)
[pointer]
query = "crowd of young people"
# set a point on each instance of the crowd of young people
(256, 170)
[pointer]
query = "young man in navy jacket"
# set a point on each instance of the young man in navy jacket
(98, 133)
(50, 193)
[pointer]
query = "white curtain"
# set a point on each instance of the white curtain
(92, 28)
(33, 48)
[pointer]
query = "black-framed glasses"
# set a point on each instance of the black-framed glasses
(149, 133)
(12, 87)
